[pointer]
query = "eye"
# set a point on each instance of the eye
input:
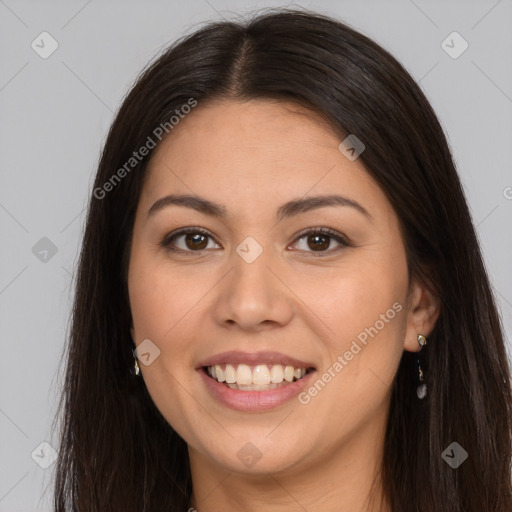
(319, 240)
(188, 240)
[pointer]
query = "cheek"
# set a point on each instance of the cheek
(361, 357)
(160, 305)
(362, 307)
(356, 296)
(160, 296)
(152, 309)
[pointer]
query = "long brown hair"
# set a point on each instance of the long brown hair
(117, 452)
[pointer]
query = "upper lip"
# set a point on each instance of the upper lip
(251, 358)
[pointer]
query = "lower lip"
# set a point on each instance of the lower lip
(254, 400)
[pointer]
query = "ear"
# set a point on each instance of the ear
(423, 312)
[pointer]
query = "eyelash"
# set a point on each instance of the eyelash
(168, 239)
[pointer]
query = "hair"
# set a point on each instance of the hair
(117, 452)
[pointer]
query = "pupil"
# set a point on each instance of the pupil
(317, 241)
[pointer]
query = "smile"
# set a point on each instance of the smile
(259, 377)
(254, 381)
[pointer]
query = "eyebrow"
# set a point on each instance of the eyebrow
(290, 209)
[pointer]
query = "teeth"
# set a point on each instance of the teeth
(243, 374)
(276, 374)
(230, 374)
(261, 375)
(288, 373)
(252, 377)
(220, 373)
(254, 387)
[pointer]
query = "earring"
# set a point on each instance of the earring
(421, 390)
(136, 369)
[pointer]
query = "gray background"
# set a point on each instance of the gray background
(54, 116)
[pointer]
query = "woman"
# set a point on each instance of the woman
(281, 301)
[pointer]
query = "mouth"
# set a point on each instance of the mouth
(256, 377)
(254, 382)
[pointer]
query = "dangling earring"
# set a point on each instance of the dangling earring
(421, 390)
(136, 369)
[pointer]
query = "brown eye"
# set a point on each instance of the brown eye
(196, 241)
(189, 240)
(320, 241)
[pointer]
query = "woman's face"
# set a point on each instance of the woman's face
(253, 289)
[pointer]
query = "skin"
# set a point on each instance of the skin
(252, 157)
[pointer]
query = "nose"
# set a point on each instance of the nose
(252, 297)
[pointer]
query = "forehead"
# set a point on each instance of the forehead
(254, 153)
(229, 129)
